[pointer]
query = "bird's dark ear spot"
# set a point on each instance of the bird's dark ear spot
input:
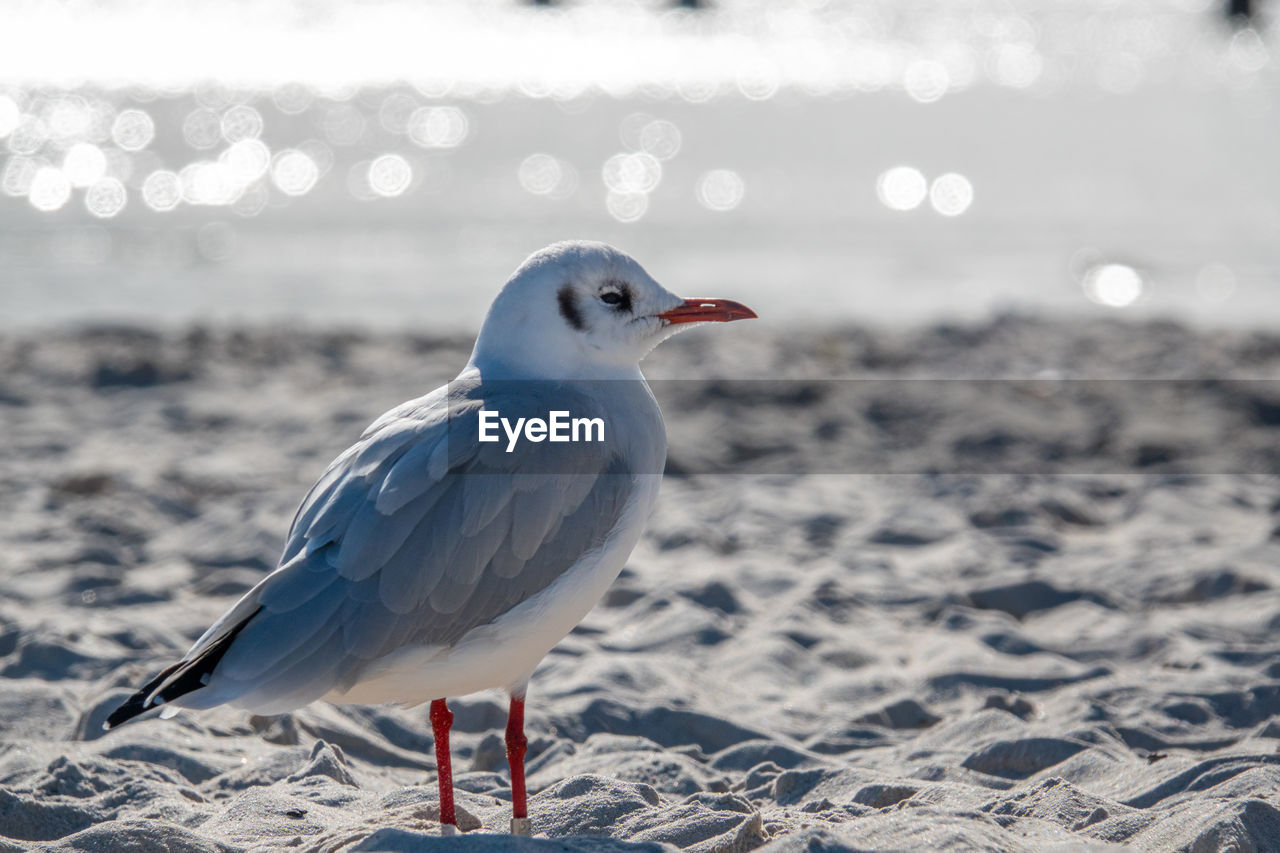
(569, 307)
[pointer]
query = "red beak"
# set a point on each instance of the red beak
(708, 311)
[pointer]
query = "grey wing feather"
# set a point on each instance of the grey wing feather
(483, 498)
(406, 481)
(393, 546)
(404, 581)
(265, 641)
(533, 515)
(372, 537)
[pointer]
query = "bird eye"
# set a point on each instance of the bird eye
(611, 297)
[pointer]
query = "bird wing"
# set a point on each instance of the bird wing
(416, 535)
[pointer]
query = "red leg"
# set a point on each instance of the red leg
(517, 744)
(441, 720)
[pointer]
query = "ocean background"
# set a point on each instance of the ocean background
(385, 165)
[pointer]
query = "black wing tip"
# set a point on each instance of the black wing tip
(175, 680)
(137, 703)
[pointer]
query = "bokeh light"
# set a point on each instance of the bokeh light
(292, 98)
(162, 190)
(439, 127)
(106, 198)
(926, 80)
(202, 128)
(50, 189)
(661, 139)
(721, 190)
(396, 111)
(68, 118)
(29, 136)
(626, 206)
(83, 164)
(247, 159)
(698, 88)
(951, 194)
(902, 188)
(294, 172)
(542, 174)
(539, 174)
(1113, 285)
(1248, 52)
(630, 173)
(240, 123)
(1016, 64)
(390, 175)
(133, 130)
(209, 183)
(19, 172)
(758, 79)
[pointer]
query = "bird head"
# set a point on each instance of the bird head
(581, 309)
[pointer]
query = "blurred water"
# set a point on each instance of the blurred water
(388, 163)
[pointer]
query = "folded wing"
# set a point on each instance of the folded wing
(416, 535)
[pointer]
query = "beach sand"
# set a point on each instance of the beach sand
(888, 604)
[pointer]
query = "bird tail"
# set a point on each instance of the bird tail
(176, 680)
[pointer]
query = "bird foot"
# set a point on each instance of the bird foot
(521, 826)
(447, 829)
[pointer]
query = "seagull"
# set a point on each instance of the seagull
(428, 563)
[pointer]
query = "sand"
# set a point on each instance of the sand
(886, 607)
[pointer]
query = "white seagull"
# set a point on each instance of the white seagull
(427, 563)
